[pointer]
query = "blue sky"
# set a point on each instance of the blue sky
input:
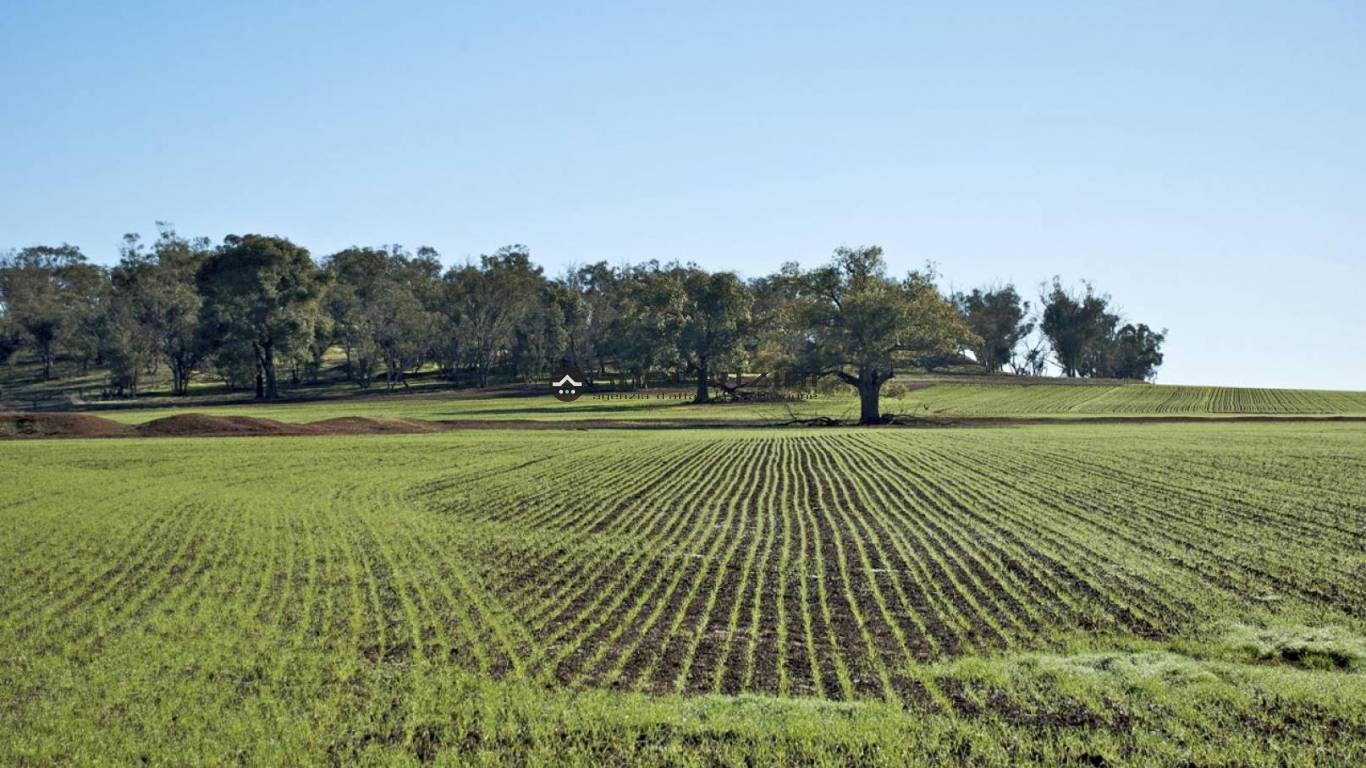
(1205, 163)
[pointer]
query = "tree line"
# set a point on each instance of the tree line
(258, 312)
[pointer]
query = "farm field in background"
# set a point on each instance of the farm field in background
(1033, 594)
(1131, 399)
(921, 397)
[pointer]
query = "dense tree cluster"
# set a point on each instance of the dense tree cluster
(256, 310)
(1087, 339)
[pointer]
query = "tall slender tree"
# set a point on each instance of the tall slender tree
(998, 317)
(156, 305)
(715, 323)
(489, 300)
(1076, 325)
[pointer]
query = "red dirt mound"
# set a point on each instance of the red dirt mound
(203, 425)
(359, 425)
(58, 425)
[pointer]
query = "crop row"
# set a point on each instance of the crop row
(1127, 399)
(832, 563)
(821, 563)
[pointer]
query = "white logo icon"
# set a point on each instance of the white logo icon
(567, 383)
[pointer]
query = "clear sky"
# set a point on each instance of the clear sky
(1204, 163)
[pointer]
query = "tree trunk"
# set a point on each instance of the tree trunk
(267, 354)
(703, 395)
(868, 402)
(179, 378)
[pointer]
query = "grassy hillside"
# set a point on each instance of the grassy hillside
(1045, 399)
(1041, 595)
(430, 397)
(931, 399)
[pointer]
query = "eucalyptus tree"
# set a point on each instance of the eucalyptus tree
(260, 293)
(860, 324)
(356, 276)
(642, 334)
(999, 318)
(1077, 325)
(154, 310)
(487, 301)
(1134, 352)
(715, 323)
(53, 299)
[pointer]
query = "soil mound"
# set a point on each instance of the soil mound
(359, 425)
(203, 425)
(58, 425)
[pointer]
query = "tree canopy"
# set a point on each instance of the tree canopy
(260, 293)
(860, 325)
(1076, 325)
(52, 296)
(999, 320)
(256, 306)
(714, 325)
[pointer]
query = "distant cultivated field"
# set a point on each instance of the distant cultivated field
(1132, 399)
(933, 397)
(1042, 594)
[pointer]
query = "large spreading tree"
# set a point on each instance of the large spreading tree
(860, 324)
(261, 293)
(53, 300)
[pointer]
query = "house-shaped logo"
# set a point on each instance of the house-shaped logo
(567, 383)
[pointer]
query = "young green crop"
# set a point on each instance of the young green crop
(1047, 398)
(1026, 595)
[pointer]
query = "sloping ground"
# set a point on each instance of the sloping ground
(1049, 399)
(204, 425)
(957, 398)
(359, 425)
(80, 425)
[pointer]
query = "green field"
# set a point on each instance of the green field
(932, 397)
(1091, 594)
(1050, 399)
